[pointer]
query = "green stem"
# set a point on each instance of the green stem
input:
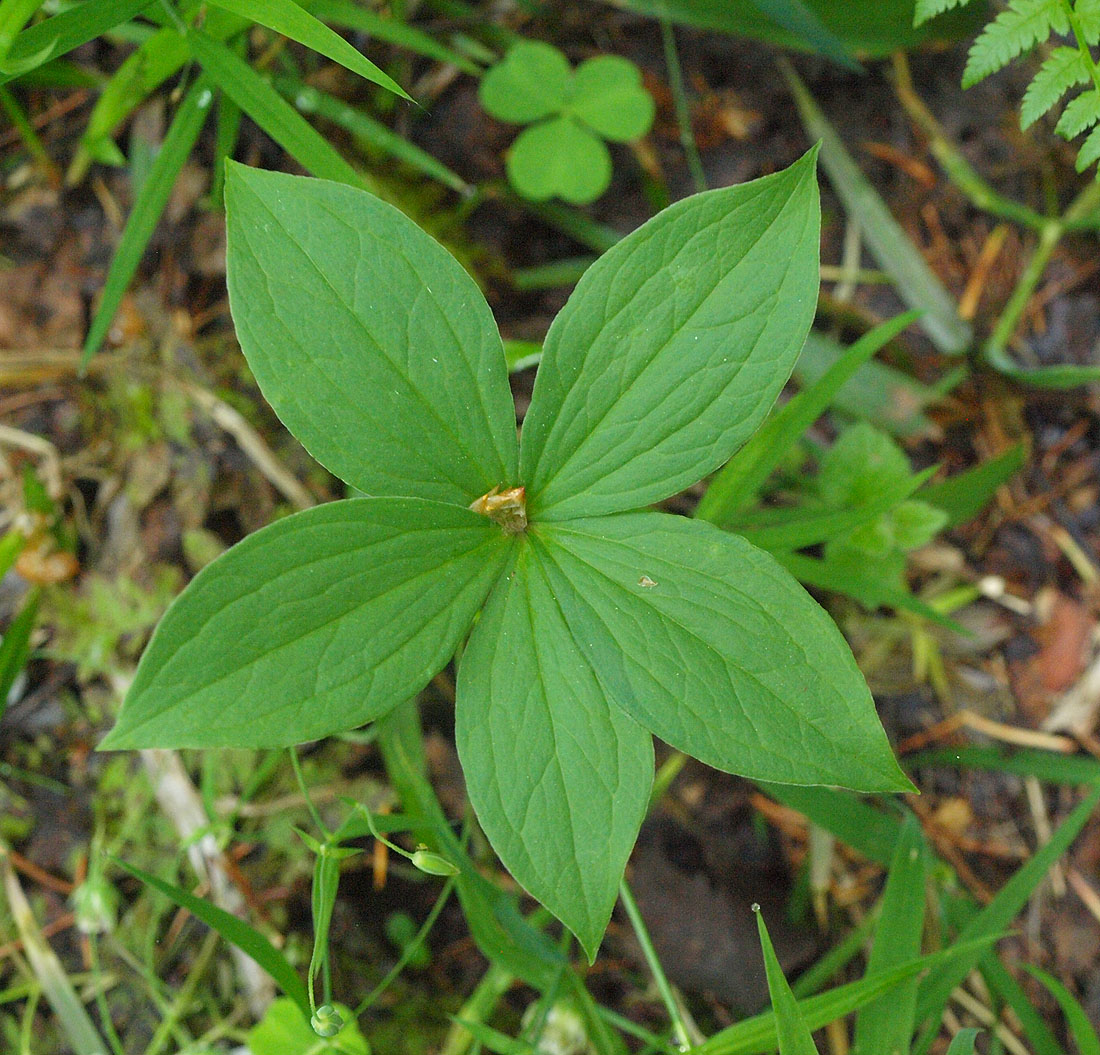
(296, 766)
(679, 1028)
(683, 111)
(183, 1000)
(1010, 316)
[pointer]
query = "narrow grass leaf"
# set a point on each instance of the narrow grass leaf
(1051, 377)
(317, 623)
(998, 915)
(342, 302)
(14, 15)
(11, 545)
(872, 832)
(47, 969)
(235, 931)
(758, 1035)
(15, 645)
(289, 19)
(563, 811)
(709, 644)
(271, 111)
(53, 37)
(673, 347)
(916, 283)
(744, 474)
(150, 203)
(811, 527)
(1046, 765)
(1077, 1021)
(1034, 1026)
(963, 1042)
(790, 1027)
(392, 30)
(886, 1026)
(803, 22)
(492, 1039)
(963, 496)
(367, 130)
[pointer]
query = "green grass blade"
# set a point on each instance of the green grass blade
(916, 283)
(11, 545)
(288, 19)
(1046, 765)
(351, 16)
(235, 931)
(53, 37)
(15, 645)
(797, 19)
(965, 495)
(741, 478)
(310, 100)
(997, 916)
(963, 1042)
(886, 1026)
(804, 529)
(865, 829)
(1054, 377)
(1080, 1028)
(174, 151)
(48, 971)
(271, 111)
(790, 1027)
(1008, 989)
(757, 1035)
(14, 15)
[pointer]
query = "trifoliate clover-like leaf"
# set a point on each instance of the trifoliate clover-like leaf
(559, 159)
(587, 632)
(571, 113)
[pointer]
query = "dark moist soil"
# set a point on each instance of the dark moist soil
(135, 491)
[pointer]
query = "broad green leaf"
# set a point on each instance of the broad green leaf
(673, 347)
(271, 111)
(150, 203)
(368, 339)
(859, 465)
(531, 83)
(997, 915)
(559, 158)
(886, 1026)
(799, 19)
(244, 936)
(284, 1030)
(319, 622)
(559, 778)
(744, 474)
(708, 643)
(290, 20)
(790, 1027)
(1088, 1043)
(608, 97)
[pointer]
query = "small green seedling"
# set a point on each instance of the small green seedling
(569, 113)
(865, 462)
(586, 625)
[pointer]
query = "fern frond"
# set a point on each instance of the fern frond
(1088, 16)
(1080, 113)
(1022, 25)
(927, 9)
(1064, 69)
(1090, 150)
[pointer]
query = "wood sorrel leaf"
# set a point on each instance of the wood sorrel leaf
(673, 347)
(560, 780)
(708, 643)
(368, 339)
(317, 623)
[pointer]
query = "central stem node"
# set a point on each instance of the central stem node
(507, 509)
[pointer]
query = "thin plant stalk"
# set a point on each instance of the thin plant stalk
(683, 111)
(641, 932)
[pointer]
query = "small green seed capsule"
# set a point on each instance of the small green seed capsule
(95, 905)
(326, 1021)
(433, 863)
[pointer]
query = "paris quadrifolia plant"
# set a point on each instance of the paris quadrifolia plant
(1069, 67)
(584, 624)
